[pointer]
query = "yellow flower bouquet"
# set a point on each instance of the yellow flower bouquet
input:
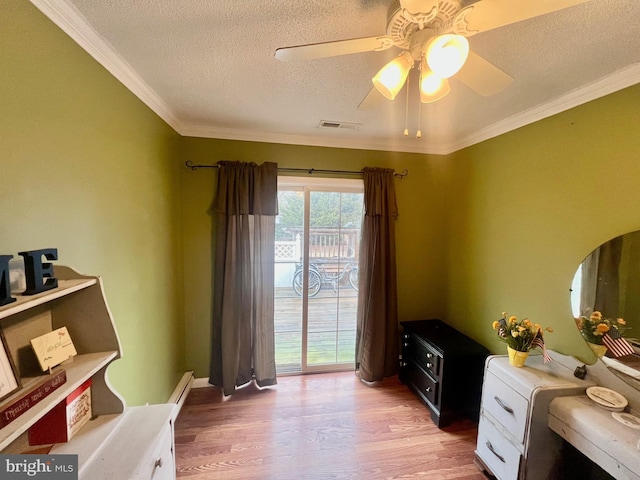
(518, 334)
(521, 335)
(594, 327)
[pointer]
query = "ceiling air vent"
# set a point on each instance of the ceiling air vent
(343, 125)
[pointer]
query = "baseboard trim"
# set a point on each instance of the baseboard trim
(201, 383)
(181, 391)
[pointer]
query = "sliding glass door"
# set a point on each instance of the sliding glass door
(316, 273)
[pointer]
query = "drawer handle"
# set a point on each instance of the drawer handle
(429, 355)
(429, 364)
(490, 447)
(158, 463)
(506, 408)
(406, 344)
(428, 389)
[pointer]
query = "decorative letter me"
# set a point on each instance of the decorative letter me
(36, 271)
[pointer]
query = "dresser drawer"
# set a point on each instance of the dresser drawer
(139, 448)
(497, 453)
(506, 405)
(161, 465)
(422, 382)
(423, 355)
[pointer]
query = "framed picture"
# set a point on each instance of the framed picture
(9, 382)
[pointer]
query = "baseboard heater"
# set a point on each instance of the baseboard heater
(181, 391)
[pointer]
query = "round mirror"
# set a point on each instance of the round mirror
(605, 299)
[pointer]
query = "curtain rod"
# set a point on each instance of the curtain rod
(310, 171)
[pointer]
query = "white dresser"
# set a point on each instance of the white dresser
(514, 439)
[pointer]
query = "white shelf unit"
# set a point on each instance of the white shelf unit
(79, 304)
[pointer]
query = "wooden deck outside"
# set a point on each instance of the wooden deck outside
(331, 330)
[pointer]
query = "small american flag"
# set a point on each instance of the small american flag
(502, 331)
(616, 344)
(539, 342)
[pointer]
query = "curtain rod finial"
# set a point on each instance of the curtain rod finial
(402, 174)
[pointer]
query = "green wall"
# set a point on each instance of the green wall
(526, 208)
(420, 243)
(89, 169)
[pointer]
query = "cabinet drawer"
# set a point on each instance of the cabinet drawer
(497, 453)
(161, 465)
(505, 405)
(422, 382)
(424, 356)
(139, 448)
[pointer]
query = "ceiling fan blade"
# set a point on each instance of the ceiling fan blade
(372, 100)
(482, 76)
(332, 49)
(489, 14)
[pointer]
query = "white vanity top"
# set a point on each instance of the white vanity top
(536, 374)
(594, 431)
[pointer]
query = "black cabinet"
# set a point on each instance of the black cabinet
(444, 368)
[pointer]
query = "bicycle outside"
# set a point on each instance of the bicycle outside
(320, 274)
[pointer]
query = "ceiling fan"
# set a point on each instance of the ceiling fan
(434, 34)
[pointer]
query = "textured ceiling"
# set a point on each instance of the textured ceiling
(208, 68)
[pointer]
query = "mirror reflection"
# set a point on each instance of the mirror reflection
(605, 299)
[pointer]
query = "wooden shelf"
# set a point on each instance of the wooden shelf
(25, 302)
(78, 370)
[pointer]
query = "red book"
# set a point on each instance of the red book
(65, 419)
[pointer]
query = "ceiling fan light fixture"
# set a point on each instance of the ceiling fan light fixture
(432, 86)
(390, 79)
(446, 54)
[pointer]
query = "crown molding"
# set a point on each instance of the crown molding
(67, 17)
(71, 21)
(384, 144)
(619, 80)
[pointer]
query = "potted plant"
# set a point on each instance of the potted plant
(520, 337)
(595, 329)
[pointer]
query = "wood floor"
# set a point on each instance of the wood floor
(324, 426)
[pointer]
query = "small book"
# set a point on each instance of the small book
(25, 400)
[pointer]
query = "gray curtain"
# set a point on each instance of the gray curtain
(243, 347)
(589, 283)
(377, 328)
(601, 280)
(608, 289)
